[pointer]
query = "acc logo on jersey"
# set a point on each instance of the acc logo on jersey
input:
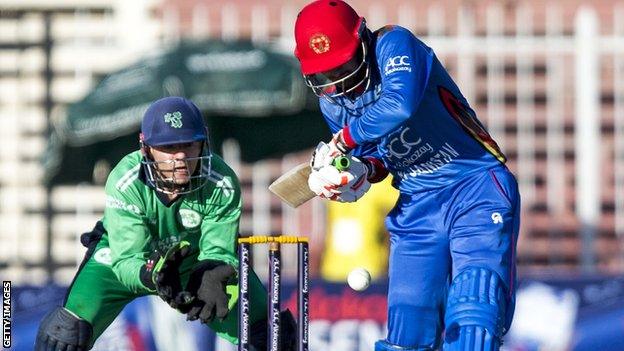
(103, 256)
(397, 63)
(190, 218)
(319, 43)
(400, 146)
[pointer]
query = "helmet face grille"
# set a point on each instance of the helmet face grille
(172, 185)
(324, 86)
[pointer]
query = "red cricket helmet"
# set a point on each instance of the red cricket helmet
(327, 35)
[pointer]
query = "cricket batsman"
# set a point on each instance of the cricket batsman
(393, 108)
(170, 228)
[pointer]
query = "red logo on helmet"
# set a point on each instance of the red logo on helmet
(319, 43)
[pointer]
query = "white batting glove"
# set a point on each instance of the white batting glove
(325, 181)
(358, 185)
(323, 156)
(354, 192)
(325, 153)
(344, 186)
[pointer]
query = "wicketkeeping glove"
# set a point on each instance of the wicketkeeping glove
(207, 283)
(161, 273)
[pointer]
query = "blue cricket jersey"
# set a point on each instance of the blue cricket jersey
(413, 117)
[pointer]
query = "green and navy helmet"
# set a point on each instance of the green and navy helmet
(170, 121)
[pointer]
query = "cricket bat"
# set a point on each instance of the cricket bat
(292, 186)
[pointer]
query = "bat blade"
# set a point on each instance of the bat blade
(292, 186)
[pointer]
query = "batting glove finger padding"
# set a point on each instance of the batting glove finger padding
(323, 155)
(345, 186)
(326, 181)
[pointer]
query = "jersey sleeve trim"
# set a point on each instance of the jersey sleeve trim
(222, 182)
(348, 138)
(130, 176)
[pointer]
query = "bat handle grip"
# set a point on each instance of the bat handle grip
(341, 163)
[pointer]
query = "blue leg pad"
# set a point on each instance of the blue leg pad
(383, 345)
(475, 311)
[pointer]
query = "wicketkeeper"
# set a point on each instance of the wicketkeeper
(393, 108)
(170, 228)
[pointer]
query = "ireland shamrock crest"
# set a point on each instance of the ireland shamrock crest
(175, 119)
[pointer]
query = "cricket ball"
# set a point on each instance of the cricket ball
(359, 279)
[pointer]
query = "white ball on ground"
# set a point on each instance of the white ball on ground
(359, 279)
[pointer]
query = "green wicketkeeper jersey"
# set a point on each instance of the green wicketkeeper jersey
(137, 221)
